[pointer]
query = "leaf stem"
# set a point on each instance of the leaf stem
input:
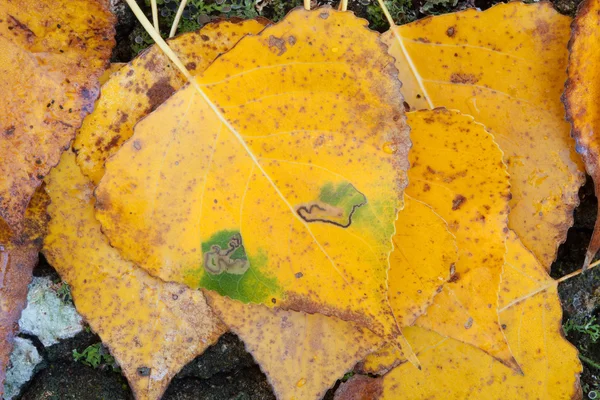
(177, 18)
(155, 14)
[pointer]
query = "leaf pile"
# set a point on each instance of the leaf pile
(259, 180)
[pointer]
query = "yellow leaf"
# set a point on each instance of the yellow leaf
(506, 67)
(581, 97)
(272, 192)
(453, 370)
(18, 256)
(457, 169)
(302, 354)
(152, 328)
(53, 52)
(424, 255)
(145, 83)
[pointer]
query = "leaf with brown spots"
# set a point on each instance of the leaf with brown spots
(152, 328)
(18, 256)
(258, 182)
(53, 52)
(145, 83)
(457, 169)
(531, 318)
(582, 91)
(302, 354)
(506, 67)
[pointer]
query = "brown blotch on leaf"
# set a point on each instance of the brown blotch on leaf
(458, 201)
(459, 77)
(159, 92)
(9, 131)
(191, 65)
(277, 44)
(451, 31)
(137, 145)
(292, 40)
(360, 387)
(469, 323)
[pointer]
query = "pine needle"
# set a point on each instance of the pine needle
(155, 15)
(177, 18)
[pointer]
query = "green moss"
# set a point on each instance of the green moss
(96, 356)
(401, 11)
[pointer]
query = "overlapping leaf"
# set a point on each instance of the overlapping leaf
(152, 328)
(506, 67)
(457, 169)
(272, 192)
(581, 96)
(18, 256)
(531, 320)
(52, 55)
(144, 84)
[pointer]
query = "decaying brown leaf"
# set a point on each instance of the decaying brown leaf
(152, 328)
(506, 67)
(53, 52)
(145, 83)
(272, 191)
(582, 92)
(18, 256)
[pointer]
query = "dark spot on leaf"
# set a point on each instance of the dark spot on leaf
(324, 15)
(450, 32)
(191, 65)
(277, 44)
(143, 371)
(458, 201)
(159, 92)
(137, 145)
(9, 131)
(298, 275)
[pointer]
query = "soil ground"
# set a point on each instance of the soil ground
(226, 370)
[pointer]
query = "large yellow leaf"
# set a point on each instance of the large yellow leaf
(457, 169)
(53, 52)
(302, 354)
(152, 328)
(582, 91)
(273, 192)
(453, 370)
(506, 67)
(18, 256)
(145, 83)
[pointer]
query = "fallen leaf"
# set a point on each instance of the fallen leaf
(581, 95)
(506, 67)
(152, 328)
(272, 192)
(301, 354)
(53, 52)
(457, 169)
(423, 259)
(142, 85)
(453, 370)
(18, 256)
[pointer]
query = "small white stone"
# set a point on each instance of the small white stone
(23, 361)
(47, 316)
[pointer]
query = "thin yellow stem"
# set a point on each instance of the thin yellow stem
(387, 14)
(177, 18)
(137, 11)
(307, 5)
(344, 5)
(155, 14)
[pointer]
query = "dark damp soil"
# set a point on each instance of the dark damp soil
(226, 370)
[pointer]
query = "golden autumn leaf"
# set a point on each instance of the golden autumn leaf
(272, 192)
(53, 52)
(145, 83)
(301, 354)
(457, 169)
(18, 256)
(506, 67)
(152, 328)
(581, 97)
(531, 318)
